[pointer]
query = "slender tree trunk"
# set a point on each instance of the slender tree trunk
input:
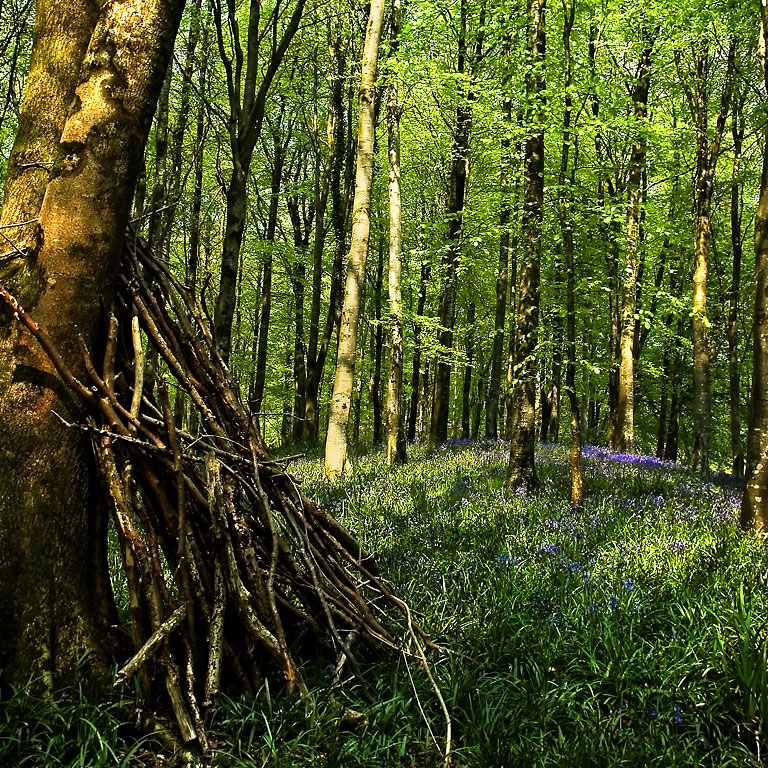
(377, 343)
(413, 414)
(734, 368)
(55, 608)
(467, 388)
(438, 430)
(661, 433)
(394, 448)
(521, 470)
(336, 158)
(336, 440)
(625, 435)
(197, 191)
(247, 106)
(502, 279)
(754, 506)
(564, 203)
(302, 218)
(157, 214)
(707, 153)
(266, 282)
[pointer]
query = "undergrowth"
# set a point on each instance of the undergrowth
(630, 633)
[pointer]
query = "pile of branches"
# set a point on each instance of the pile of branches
(231, 570)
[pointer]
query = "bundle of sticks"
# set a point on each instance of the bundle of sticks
(232, 572)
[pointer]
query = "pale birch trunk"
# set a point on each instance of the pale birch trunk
(395, 380)
(336, 439)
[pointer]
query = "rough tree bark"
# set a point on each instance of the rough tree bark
(53, 573)
(521, 470)
(336, 439)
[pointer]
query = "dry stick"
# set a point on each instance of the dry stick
(236, 588)
(145, 653)
(163, 274)
(110, 349)
(176, 367)
(138, 366)
(291, 672)
(216, 626)
(435, 687)
(181, 509)
(132, 548)
(110, 406)
(349, 590)
(308, 560)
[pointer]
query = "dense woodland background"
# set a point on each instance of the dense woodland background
(286, 155)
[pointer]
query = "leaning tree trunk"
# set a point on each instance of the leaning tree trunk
(521, 470)
(53, 572)
(336, 439)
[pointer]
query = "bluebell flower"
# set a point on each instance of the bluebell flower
(628, 584)
(613, 602)
(654, 713)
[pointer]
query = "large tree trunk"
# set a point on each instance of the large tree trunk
(625, 434)
(521, 470)
(54, 609)
(336, 439)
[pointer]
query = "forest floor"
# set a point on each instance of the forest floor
(630, 633)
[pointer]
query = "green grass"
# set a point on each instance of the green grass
(632, 633)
